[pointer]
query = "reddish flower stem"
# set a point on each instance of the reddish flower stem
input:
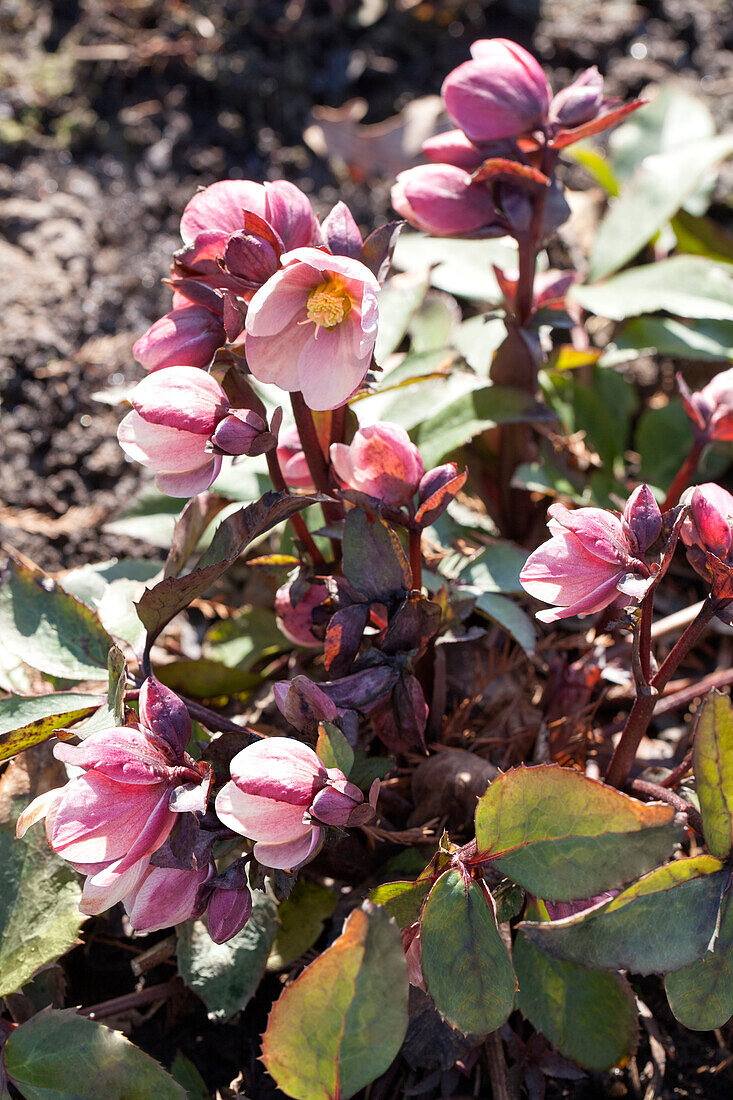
(318, 464)
(641, 712)
(297, 522)
(684, 476)
(415, 558)
(645, 635)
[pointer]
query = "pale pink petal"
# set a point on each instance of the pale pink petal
(328, 370)
(220, 206)
(282, 760)
(292, 854)
(274, 359)
(562, 572)
(185, 398)
(278, 302)
(190, 482)
(592, 601)
(341, 461)
(340, 265)
(104, 888)
(290, 214)
(259, 818)
(37, 810)
(161, 449)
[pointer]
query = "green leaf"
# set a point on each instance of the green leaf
(333, 749)
(656, 191)
(185, 1073)
(204, 679)
(471, 414)
(302, 917)
(701, 994)
(242, 641)
(589, 1016)
(58, 1055)
(403, 900)
(506, 614)
(674, 118)
(703, 340)
(661, 923)
(150, 517)
(374, 561)
(477, 339)
(431, 327)
(702, 237)
(161, 603)
(578, 839)
(410, 402)
(27, 720)
(226, 975)
(399, 300)
(39, 907)
(495, 568)
(459, 266)
(663, 440)
(689, 286)
(713, 766)
(596, 164)
(50, 630)
(465, 961)
(340, 1024)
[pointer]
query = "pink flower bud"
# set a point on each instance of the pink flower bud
(710, 409)
(296, 619)
(293, 461)
(707, 526)
(437, 489)
(164, 897)
(271, 799)
(175, 411)
(341, 233)
(502, 92)
(251, 257)
(382, 461)
(581, 568)
(243, 432)
(444, 200)
(643, 517)
(335, 803)
(227, 912)
(312, 327)
(110, 820)
(580, 101)
(455, 148)
(185, 337)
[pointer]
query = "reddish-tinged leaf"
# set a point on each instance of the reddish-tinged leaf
(436, 504)
(495, 167)
(564, 138)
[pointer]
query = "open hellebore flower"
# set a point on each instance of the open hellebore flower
(501, 93)
(313, 325)
(381, 460)
(281, 795)
(590, 560)
(110, 820)
(180, 426)
(711, 408)
(295, 619)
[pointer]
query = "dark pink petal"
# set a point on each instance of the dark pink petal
(341, 233)
(165, 715)
(218, 208)
(562, 572)
(290, 213)
(166, 896)
(124, 755)
(280, 767)
(227, 913)
(184, 337)
(598, 531)
(443, 200)
(455, 148)
(296, 622)
(184, 398)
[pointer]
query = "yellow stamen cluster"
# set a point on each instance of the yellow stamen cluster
(328, 305)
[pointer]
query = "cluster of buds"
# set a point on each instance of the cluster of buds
(483, 174)
(115, 822)
(594, 557)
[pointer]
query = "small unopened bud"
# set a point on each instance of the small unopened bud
(243, 432)
(708, 523)
(580, 101)
(336, 802)
(643, 517)
(251, 258)
(227, 913)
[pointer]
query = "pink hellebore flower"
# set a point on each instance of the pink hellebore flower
(444, 200)
(589, 560)
(708, 526)
(711, 408)
(110, 820)
(382, 461)
(180, 426)
(186, 337)
(292, 460)
(501, 93)
(313, 325)
(280, 795)
(295, 620)
(165, 896)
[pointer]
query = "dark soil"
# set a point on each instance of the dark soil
(112, 113)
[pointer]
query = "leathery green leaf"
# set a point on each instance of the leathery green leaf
(63, 1056)
(402, 899)
(588, 1015)
(661, 923)
(713, 764)
(302, 916)
(27, 720)
(342, 1021)
(701, 994)
(563, 836)
(465, 961)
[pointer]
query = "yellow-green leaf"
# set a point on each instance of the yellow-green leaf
(713, 765)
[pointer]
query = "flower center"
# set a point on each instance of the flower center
(328, 305)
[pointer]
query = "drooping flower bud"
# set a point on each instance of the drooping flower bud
(243, 432)
(186, 337)
(643, 517)
(382, 461)
(580, 101)
(501, 93)
(295, 620)
(710, 409)
(444, 200)
(273, 798)
(165, 896)
(707, 528)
